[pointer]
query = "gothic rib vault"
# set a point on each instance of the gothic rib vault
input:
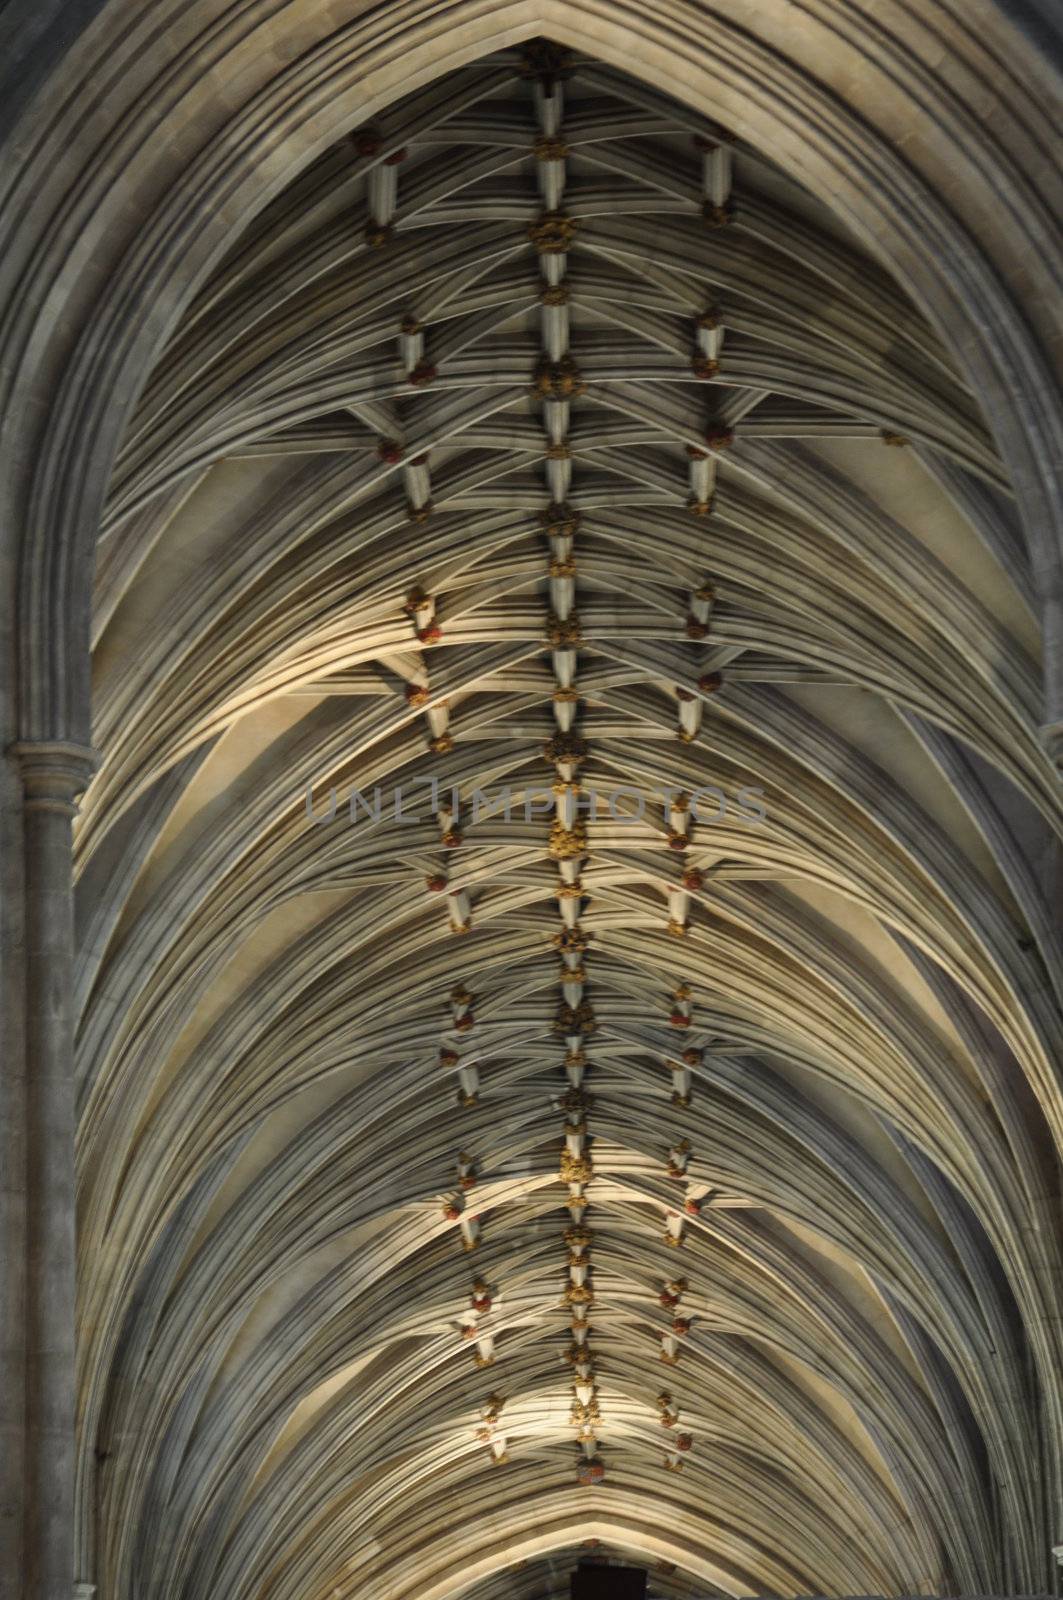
(541, 436)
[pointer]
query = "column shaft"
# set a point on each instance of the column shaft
(53, 774)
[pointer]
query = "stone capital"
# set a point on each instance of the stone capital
(55, 773)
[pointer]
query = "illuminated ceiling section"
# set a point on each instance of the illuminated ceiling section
(592, 1156)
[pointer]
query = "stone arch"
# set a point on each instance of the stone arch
(614, 1526)
(124, 225)
(126, 232)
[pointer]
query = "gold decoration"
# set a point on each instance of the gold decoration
(707, 592)
(576, 1019)
(563, 569)
(578, 1238)
(442, 745)
(567, 843)
(565, 697)
(575, 1169)
(685, 736)
(677, 929)
(718, 216)
(570, 891)
(683, 992)
(553, 232)
(550, 148)
(703, 366)
(696, 629)
(559, 380)
(560, 521)
(897, 440)
(710, 320)
(482, 1360)
(720, 438)
(572, 975)
(418, 513)
(700, 508)
(571, 939)
(562, 631)
(557, 452)
(378, 234)
(554, 294)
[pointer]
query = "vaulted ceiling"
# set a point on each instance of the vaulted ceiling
(542, 443)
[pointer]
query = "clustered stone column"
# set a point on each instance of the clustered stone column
(39, 1190)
